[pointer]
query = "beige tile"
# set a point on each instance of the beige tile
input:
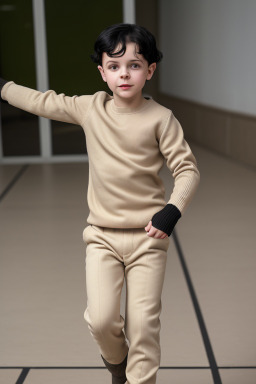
(181, 340)
(54, 186)
(9, 376)
(238, 376)
(42, 269)
(184, 376)
(7, 173)
(75, 376)
(218, 238)
(68, 376)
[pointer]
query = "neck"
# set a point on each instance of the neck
(128, 103)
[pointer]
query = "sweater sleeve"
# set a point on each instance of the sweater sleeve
(2, 83)
(166, 219)
(47, 104)
(181, 162)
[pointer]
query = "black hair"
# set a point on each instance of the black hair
(117, 34)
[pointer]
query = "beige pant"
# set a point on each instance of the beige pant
(111, 256)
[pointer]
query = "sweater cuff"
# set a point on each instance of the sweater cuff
(166, 219)
(2, 83)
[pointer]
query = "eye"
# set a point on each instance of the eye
(113, 67)
(135, 66)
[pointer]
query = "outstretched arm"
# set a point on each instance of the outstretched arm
(46, 104)
(2, 83)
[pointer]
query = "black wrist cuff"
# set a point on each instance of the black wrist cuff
(166, 219)
(2, 83)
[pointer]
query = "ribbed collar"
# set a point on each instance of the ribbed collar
(128, 110)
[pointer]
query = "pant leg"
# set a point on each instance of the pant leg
(104, 281)
(144, 273)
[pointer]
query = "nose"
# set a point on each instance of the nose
(125, 73)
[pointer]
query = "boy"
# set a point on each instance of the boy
(128, 137)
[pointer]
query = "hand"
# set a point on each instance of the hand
(154, 232)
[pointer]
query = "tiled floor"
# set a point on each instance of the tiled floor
(210, 339)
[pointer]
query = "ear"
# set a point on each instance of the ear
(102, 73)
(151, 70)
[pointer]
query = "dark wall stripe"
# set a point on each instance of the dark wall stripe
(22, 376)
(204, 333)
(14, 180)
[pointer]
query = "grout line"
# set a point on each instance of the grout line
(14, 180)
(22, 376)
(204, 333)
(64, 368)
(164, 367)
(238, 367)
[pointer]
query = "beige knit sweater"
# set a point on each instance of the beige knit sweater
(126, 149)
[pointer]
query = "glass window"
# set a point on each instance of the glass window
(20, 130)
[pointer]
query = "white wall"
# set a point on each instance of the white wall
(209, 49)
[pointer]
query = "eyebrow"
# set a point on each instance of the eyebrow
(116, 61)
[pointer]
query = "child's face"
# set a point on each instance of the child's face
(126, 75)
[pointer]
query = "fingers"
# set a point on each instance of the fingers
(156, 233)
(147, 228)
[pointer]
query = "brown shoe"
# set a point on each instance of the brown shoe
(117, 370)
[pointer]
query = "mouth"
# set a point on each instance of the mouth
(125, 86)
